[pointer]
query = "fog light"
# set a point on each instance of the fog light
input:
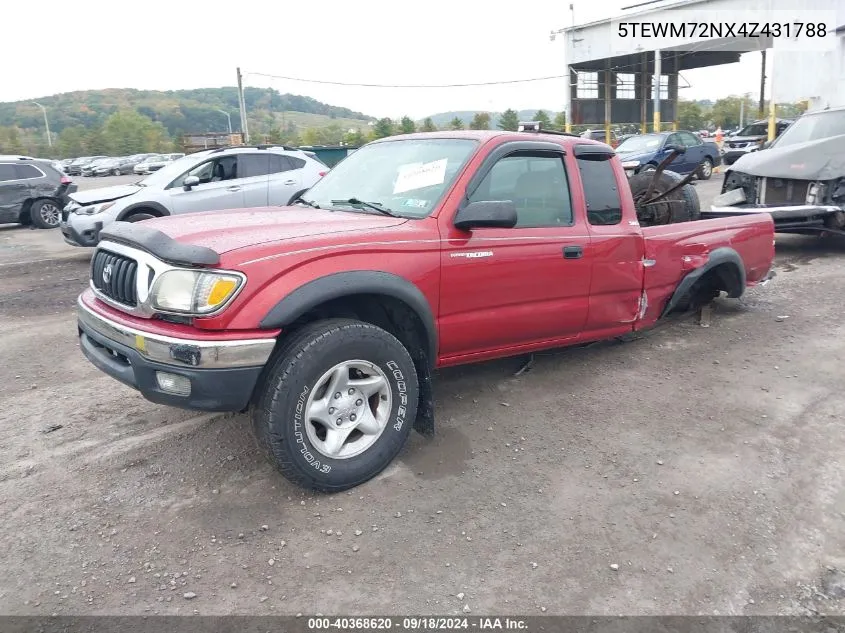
(172, 383)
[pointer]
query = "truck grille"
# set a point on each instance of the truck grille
(782, 190)
(114, 276)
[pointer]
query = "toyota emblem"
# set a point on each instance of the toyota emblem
(107, 273)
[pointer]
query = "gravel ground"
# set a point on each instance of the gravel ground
(693, 471)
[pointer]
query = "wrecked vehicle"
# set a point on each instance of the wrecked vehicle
(327, 318)
(799, 180)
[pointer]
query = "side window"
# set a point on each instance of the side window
(26, 172)
(690, 140)
(203, 171)
(7, 172)
(536, 183)
(279, 164)
(601, 191)
(297, 163)
(674, 139)
(226, 168)
(250, 165)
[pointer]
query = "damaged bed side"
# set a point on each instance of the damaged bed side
(799, 180)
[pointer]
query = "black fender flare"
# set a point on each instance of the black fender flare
(159, 208)
(718, 257)
(342, 284)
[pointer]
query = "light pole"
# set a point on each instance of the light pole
(46, 123)
(228, 118)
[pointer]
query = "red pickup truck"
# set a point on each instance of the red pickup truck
(326, 318)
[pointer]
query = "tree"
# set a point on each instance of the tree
(428, 125)
(690, 115)
(383, 128)
(543, 118)
(95, 142)
(10, 141)
(509, 120)
(407, 125)
(354, 137)
(725, 112)
(456, 124)
(127, 132)
(560, 121)
(481, 121)
(72, 141)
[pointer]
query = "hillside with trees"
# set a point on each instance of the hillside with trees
(109, 121)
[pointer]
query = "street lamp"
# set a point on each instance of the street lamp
(46, 123)
(228, 118)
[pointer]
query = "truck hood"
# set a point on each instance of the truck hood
(225, 231)
(823, 159)
(745, 139)
(105, 194)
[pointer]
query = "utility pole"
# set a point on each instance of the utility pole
(242, 104)
(46, 123)
(762, 107)
(742, 113)
(228, 118)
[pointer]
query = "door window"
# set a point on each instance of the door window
(7, 172)
(26, 172)
(279, 164)
(250, 165)
(537, 185)
(601, 191)
(224, 168)
(689, 140)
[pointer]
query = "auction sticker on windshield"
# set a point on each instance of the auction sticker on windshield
(417, 176)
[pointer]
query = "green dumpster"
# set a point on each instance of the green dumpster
(331, 155)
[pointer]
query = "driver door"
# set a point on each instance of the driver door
(680, 163)
(219, 187)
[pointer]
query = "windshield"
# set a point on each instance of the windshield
(812, 127)
(170, 171)
(409, 176)
(643, 143)
(755, 129)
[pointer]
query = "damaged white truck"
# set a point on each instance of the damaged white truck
(799, 179)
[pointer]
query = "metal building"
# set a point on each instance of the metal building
(613, 78)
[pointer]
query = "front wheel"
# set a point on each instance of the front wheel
(336, 404)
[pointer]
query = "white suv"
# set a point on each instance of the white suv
(211, 180)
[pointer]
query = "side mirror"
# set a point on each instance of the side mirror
(487, 214)
(190, 182)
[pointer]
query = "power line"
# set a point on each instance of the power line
(427, 86)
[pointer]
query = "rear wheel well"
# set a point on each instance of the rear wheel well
(26, 208)
(724, 277)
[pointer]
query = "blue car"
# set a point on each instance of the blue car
(645, 152)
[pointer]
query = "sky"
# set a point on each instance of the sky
(160, 45)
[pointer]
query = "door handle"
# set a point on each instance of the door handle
(233, 188)
(572, 252)
(289, 182)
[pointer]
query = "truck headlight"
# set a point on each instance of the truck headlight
(630, 164)
(94, 208)
(194, 291)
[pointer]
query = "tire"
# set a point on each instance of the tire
(705, 170)
(139, 217)
(45, 214)
(669, 210)
(116, 172)
(692, 204)
(286, 405)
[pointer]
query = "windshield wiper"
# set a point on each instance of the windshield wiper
(377, 206)
(310, 203)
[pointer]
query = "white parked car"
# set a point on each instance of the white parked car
(151, 164)
(211, 180)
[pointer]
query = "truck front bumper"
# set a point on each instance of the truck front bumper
(202, 374)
